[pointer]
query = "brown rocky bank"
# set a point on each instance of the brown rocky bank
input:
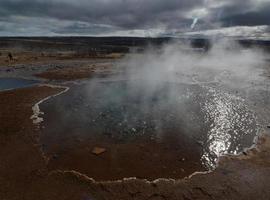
(24, 173)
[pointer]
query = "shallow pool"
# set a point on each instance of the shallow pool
(166, 129)
(13, 83)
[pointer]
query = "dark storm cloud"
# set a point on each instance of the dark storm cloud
(243, 13)
(103, 16)
(250, 18)
(84, 28)
(123, 13)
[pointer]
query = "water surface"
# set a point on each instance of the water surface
(13, 83)
(168, 130)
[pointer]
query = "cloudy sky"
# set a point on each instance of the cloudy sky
(134, 17)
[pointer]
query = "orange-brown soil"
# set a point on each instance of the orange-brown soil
(66, 74)
(30, 57)
(73, 73)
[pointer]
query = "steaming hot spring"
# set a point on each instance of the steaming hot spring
(166, 114)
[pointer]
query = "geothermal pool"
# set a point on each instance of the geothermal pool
(13, 83)
(169, 129)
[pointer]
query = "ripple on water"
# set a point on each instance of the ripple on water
(231, 123)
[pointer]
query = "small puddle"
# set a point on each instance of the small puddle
(14, 83)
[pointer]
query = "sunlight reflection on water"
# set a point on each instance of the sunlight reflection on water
(229, 120)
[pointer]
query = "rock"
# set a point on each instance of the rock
(98, 150)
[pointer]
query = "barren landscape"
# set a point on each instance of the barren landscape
(134, 118)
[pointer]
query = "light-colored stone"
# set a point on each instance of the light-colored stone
(98, 150)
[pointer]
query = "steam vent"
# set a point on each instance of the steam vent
(140, 100)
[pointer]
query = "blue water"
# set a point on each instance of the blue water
(13, 83)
